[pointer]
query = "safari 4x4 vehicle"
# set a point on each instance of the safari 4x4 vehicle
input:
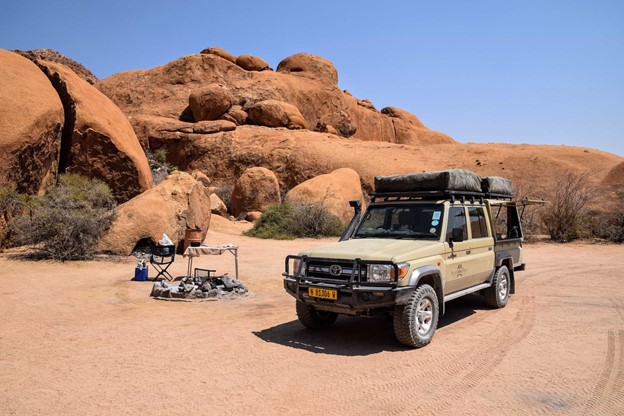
(424, 240)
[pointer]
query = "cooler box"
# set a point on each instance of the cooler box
(140, 274)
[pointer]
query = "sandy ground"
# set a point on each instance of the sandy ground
(81, 338)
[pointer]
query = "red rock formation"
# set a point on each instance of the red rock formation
(177, 203)
(311, 66)
(210, 102)
(252, 63)
(273, 113)
(255, 190)
(99, 141)
(333, 190)
(31, 122)
(305, 81)
(220, 52)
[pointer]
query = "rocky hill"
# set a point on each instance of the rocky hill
(222, 114)
(301, 94)
(217, 116)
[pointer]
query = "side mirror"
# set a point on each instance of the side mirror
(458, 235)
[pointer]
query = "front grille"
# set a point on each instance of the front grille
(323, 269)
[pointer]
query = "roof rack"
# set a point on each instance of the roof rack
(454, 196)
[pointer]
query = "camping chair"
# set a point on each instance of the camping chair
(162, 257)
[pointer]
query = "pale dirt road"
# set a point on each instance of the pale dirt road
(82, 339)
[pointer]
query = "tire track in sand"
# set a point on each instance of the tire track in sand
(476, 368)
(607, 397)
(457, 373)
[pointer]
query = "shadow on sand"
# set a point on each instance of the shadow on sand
(355, 336)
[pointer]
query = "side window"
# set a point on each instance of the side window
(457, 219)
(507, 223)
(478, 226)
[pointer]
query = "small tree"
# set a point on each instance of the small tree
(567, 202)
(68, 222)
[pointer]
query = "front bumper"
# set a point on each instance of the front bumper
(351, 301)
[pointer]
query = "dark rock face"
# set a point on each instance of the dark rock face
(31, 124)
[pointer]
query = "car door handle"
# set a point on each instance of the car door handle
(468, 252)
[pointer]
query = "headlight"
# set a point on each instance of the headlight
(296, 263)
(385, 272)
(380, 273)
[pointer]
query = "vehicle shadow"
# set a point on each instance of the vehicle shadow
(349, 337)
(353, 336)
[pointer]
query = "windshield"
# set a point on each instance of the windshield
(411, 221)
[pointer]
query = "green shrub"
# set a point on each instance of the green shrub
(287, 221)
(68, 222)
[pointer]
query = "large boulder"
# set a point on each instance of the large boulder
(210, 102)
(333, 190)
(252, 63)
(31, 123)
(307, 65)
(408, 129)
(273, 113)
(217, 206)
(255, 190)
(220, 52)
(100, 142)
(177, 203)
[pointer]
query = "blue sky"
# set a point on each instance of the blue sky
(544, 72)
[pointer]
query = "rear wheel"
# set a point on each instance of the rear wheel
(497, 295)
(314, 319)
(416, 322)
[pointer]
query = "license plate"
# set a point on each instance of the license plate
(317, 292)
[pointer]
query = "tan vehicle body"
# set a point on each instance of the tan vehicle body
(340, 278)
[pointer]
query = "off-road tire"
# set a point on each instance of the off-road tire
(314, 319)
(416, 322)
(497, 295)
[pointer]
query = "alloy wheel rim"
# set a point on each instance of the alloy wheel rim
(424, 316)
(502, 288)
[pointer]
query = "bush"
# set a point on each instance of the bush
(68, 222)
(158, 165)
(567, 204)
(606, 223)
(287, 221)
(12, 204)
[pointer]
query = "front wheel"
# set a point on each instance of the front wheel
(497, 295)
(416, 322)
(314, 319)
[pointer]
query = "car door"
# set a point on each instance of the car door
(457, 256)
(481, 253)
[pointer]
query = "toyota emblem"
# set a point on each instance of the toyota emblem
(335, 270)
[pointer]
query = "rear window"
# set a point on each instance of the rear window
(478, 226)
